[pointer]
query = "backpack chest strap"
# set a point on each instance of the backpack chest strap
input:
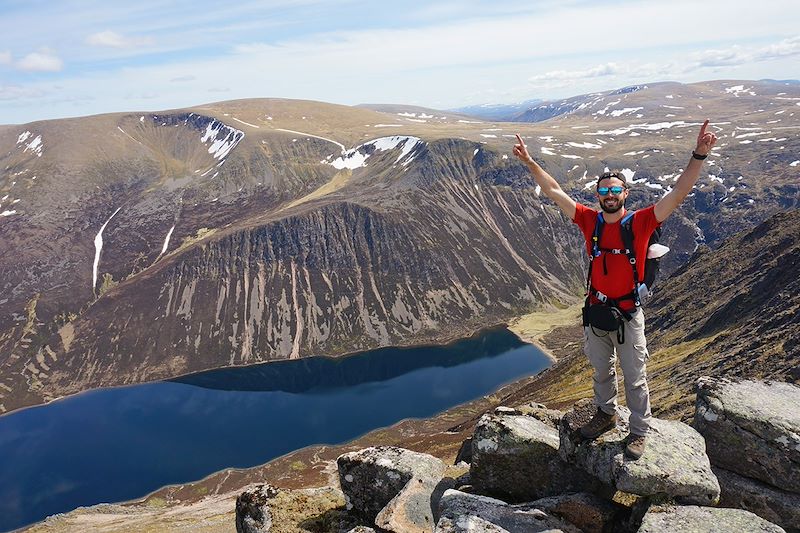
(597, 251)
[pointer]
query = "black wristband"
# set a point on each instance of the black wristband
(698, 156)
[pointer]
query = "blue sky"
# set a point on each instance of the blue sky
(73, 58)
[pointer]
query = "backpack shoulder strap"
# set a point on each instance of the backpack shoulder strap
(599, 223)
(596, 234)
(626, 229)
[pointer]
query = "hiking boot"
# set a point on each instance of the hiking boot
(599, 424)
(635, 446)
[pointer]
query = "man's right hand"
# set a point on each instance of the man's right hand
(521, 151)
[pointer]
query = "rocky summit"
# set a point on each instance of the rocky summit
(753, 431)
(672, 487)
(674, 462)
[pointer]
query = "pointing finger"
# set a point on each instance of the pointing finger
(703, 129)
(520, 140)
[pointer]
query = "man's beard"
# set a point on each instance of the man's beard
(614, 209)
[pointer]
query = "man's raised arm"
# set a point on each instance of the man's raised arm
(687, 179)
(550, 186)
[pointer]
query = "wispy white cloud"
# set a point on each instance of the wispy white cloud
(43, 61)
(785, 48)
(115, 40)
(734, 55)
(607, 69)
(740, 55)
(16, 92)
(5, 58)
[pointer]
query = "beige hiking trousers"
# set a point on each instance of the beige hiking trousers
(603, 350)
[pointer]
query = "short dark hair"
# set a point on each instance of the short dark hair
(613, 174)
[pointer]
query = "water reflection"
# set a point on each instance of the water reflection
(376, 365)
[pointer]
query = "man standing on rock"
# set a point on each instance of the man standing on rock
(613, 295)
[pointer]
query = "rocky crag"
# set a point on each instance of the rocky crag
(529, 471)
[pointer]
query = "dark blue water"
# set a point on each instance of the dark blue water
(118, 444)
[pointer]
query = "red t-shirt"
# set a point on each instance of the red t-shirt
(619, 280)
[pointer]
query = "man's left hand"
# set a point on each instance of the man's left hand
(705, 140)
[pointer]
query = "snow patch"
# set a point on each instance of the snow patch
(645, 127)
(414, 115)
(737, 90)
(223, 139)
(35, 146)
(166, 241)
(620, 112)
(245, 123)
(628, 173)
(605, 109)
(357, 157)
(752, 134)
(585, 145)
(98, 246)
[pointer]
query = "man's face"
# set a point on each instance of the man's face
(610, 202)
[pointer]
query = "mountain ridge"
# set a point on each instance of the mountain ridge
(185, 181)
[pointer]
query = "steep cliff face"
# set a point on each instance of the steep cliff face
(739, 305)
(409, 240)
(333, 279)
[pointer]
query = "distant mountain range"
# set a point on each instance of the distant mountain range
(497, 112)
(142, 246)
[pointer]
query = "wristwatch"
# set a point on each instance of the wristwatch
(698, 156)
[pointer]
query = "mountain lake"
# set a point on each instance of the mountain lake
(119, 444)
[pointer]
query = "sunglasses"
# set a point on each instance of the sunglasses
(602, 191)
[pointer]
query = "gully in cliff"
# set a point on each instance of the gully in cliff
(617, 242)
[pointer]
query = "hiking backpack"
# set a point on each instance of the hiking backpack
(643, 285)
